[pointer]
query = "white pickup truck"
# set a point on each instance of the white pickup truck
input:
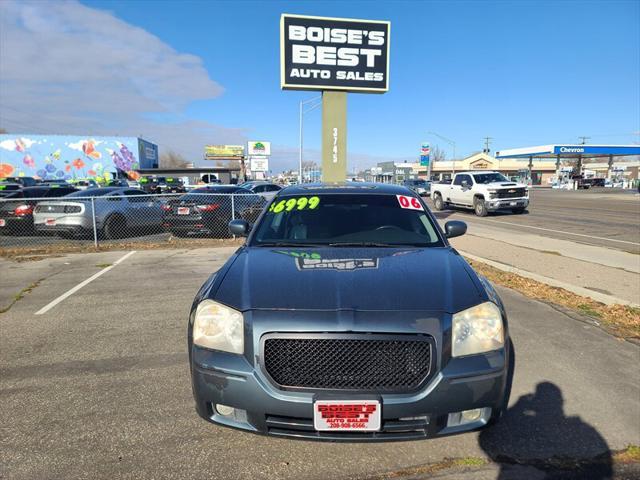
(483, 191)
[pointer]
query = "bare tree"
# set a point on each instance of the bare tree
(437, 154)
(171, 159)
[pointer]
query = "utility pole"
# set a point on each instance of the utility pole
(487, 142)
(584, 140)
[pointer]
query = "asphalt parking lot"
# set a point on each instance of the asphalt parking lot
(96, 385)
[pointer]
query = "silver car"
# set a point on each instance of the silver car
(265, 189)
(118, 211)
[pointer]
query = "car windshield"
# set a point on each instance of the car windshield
(346, 220)
(489, 178)
(417, 182)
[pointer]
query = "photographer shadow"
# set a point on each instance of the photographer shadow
(535, 439)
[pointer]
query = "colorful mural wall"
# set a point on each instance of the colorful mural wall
(68, 157)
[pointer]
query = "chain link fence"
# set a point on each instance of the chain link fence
(123, 216)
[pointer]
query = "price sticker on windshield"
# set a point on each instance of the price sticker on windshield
(296, 203)
(411, 203)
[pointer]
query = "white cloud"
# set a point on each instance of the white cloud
(71, 69)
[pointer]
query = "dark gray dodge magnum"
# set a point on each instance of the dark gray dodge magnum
(347, 315)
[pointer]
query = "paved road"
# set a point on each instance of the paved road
(98, 387)
(593, 217)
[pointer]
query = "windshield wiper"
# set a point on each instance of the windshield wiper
(361, 244)
(375, 244)
(287, 244)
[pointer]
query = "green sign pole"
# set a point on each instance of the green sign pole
(334, 136)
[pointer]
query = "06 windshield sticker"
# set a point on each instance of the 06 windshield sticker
(411, 203)
(297, 203)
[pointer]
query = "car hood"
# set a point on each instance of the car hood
(504, 185)
(429, 279)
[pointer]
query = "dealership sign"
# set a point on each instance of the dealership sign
(319, 53)
(259, 148)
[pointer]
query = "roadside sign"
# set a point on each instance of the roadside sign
(259, 148)
(259, 164)
(214, 151)
(321, 53)
(425, 152)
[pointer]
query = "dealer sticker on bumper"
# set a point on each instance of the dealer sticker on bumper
(352, 415)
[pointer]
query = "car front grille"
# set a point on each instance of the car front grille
(377, 363)
(510, 193)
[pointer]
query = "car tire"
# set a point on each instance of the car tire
(438, 203)
(518, 211)
(479, 207)
(114, 227)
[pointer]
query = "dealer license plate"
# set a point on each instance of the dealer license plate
(348, 415)
(50, 221)
(183, 211)
(3, 222)
(513, 204)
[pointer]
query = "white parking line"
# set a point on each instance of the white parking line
(557, 231)
(67, 294)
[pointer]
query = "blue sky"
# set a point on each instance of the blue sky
(524, 73)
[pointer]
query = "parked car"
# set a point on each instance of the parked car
(324, 325)
(16, 208)
(85, 184)
(7, 188)
(266, 190)
(208, 210)
(420, 186)
(24, 181)
(55, 182)
(482, 191)
(118, 212)
(154, 184)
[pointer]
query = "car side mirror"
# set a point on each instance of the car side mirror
(239, 227)
(455, 228)
(464, 184)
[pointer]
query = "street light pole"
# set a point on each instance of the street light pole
(450, 142)
(300, 151)
(302, 112)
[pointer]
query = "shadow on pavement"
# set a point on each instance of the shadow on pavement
(535, 439)
(442, 214)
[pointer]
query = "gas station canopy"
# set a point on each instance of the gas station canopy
(570, 151)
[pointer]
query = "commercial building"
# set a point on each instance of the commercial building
(72, 157)
(535, 170)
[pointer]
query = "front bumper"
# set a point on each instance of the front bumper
(472, 382)
(506, 203)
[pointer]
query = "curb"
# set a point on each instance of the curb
(584, 292)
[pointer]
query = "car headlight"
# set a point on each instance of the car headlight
(218, 327)
(477, 329)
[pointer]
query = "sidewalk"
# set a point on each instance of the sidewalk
(597, 272)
